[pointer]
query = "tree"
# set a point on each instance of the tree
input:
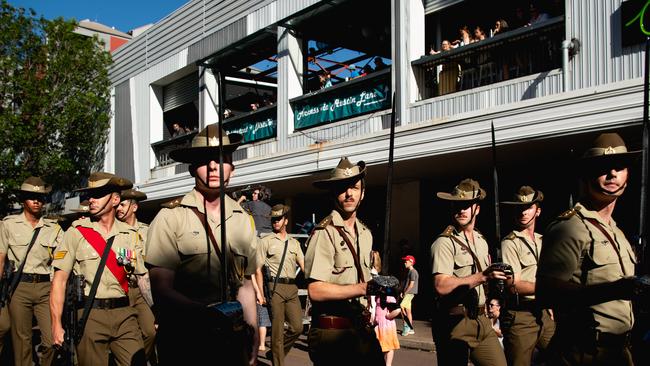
(54, 102)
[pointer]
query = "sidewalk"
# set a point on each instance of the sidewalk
(421, 340)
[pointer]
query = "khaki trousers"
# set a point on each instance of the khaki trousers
(526, 333)
(28, 301)
(571, 348)
(5, 326)
(459, 338)
(146, 321)
(284, 305)
(115, 330)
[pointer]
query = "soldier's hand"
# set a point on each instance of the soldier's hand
(57, 336)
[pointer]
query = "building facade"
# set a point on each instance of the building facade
(561, 72)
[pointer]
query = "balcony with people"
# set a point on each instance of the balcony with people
(473, 45)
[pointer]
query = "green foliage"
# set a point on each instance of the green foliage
(54, 102)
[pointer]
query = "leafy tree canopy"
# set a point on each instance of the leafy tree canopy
(54, 102)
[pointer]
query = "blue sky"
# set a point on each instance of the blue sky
(122, 14)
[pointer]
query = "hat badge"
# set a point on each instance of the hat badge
(36, 188)
(347, 172)
(213, 141)
(461, 194)
(610, 150)
(523, 198)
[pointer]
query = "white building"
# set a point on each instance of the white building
(548, 88)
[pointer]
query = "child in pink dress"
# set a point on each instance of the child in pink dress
(384, 313)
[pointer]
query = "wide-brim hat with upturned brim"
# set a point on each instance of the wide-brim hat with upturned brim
(102, 181)
(344, 172)
(279, 210)
(205, 145)
(526, 195)
(466, 190)
(35, 185)
(132, 194)
(609, 147)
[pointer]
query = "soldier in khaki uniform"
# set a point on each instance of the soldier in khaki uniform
(531, 326)
(460, 268)
(112, 323)
(276, 249)
(586, 268)
(141, 301)
(337, 264)
(5, 324)
(185, 268)
(31, 295)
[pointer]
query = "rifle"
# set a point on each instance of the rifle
(65, 355)
(5, 282)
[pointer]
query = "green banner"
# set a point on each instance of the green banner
(255, 127)
(342, 103)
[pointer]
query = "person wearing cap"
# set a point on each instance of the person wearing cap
(184, 260)
(530, 325)
(409, 290)
(140, 300)
(337, 266)
(111, 323)
(586, 268)
(281, 255)
(461, 270)
(31, 293)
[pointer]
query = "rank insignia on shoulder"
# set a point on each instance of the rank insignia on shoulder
(568, 214)
(323, 224)
(511, 236)
(60, 254)
(448, 231)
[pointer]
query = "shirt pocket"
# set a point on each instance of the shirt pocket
(189, 245)
(88, 259)
(341, 263)
(527, 259)
(463, 260)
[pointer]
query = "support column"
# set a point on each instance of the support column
(407, 24)
(290, 80)
(208, 97)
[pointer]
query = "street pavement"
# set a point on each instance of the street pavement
(415, 349)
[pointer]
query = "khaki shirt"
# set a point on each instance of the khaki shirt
(573, 246)
(450, 258)
(177, 240)
(328, 258)
(76, 254)
(271, 249)
(519, 251)
(15, 236)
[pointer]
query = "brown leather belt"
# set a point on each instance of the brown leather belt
(332, 322)
(612, 340)
(284, 280)
(34, 278)
(113, 303)
(460, 310)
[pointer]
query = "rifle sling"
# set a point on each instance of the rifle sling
(215, 244)
(93, 290)
(474, 257)
(277, 275)
(19, 272)
(355, 256)
(600, 227)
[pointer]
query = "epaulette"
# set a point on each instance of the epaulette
(511, 236)
(568, 213)
(173, 203)
(448, 231)
(323, 224)
(266, 235)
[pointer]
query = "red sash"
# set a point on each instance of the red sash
(99, 244)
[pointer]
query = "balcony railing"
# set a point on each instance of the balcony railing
(512, 54)
(163, 148)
